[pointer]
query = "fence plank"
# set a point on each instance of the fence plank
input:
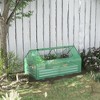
(76, 30)
(26, 32)
(29, 8)
(33, 25)
(19, 38)
(12, 37)
(46, 23)
(40, 23)
(53, 14)
(87, 24)
(71, 14)
(81, 27)
(93, 22)
(98, 25)
(59, 23)
(65, 24)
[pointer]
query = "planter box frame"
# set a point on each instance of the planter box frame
(38, 68)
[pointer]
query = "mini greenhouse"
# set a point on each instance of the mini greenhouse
(52, 62)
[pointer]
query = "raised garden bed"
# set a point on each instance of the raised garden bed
(52, 62)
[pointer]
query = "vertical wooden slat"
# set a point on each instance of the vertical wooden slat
(98, 24)
(87, 24)
(43, 24)
(71, 4)
(56, 20)
(73, 21)
(46, 23)
(59, 23)
(76, 31)
(53, 32)
(33, 26)
(93, 22)
(30, 27)
(19, 38)
(49, 23)
(37, 24)
(40, 23)
(84, 21)
(65, 24)
(12, 37)
(16, 34)
(62, 22)
(22, 34)
(68, 23)
(26, 32)
(90, 25)
(81, 27)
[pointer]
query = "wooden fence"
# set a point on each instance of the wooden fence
(56, 23)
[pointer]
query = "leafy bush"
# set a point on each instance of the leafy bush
(13, 63)
(91, 59)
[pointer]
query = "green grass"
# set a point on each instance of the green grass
(75, 88)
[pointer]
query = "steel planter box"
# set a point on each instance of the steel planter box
(39, 67)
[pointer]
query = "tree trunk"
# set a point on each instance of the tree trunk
(2, 34)
(3, 42)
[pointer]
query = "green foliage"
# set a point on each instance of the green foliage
(22, 5)
(91, 59)
(95, 76)
(13, 63)
(19, 12)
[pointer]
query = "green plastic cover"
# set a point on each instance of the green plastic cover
(52, 62)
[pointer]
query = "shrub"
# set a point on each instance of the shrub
(13, 63)
(91, 59)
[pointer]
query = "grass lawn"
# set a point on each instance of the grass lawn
(80, 87)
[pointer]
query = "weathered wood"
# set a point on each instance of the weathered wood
(76, 30)
(4, 76)
(33, 25)
(93, 12)
(46, 24)
(65, 24)
(87, 21)
(81, 27)
(71, 14)
(97, 44)
(21, 77)
(58, 22)
(53, 26)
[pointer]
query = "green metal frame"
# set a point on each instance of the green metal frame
(39, 68)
